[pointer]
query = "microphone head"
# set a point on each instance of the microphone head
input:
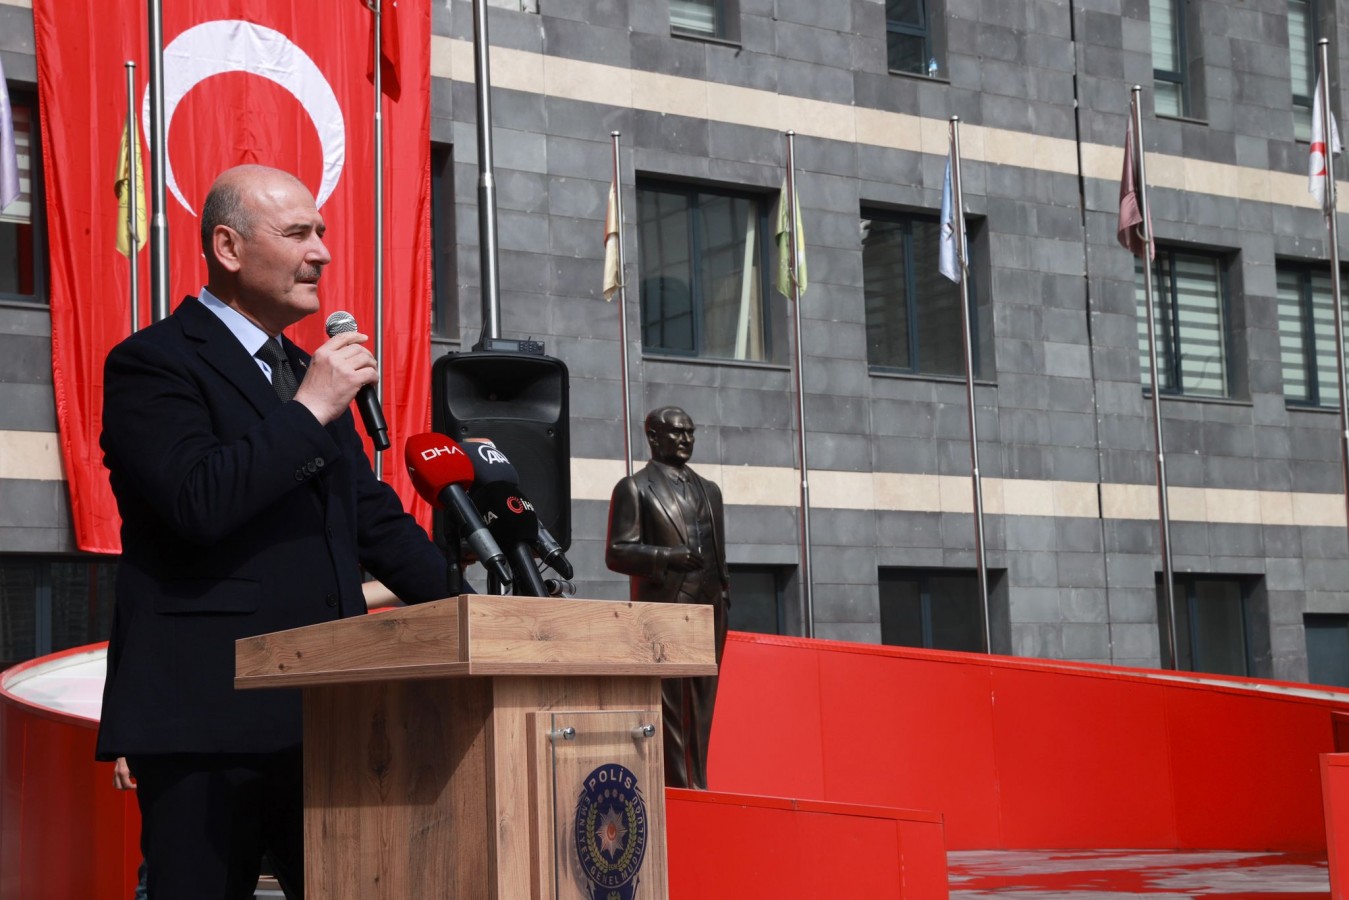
(489, 464)
(508, 513)
(340, 322)
(435, 462)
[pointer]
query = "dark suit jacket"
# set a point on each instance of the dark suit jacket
(645, 522)
(241, 515)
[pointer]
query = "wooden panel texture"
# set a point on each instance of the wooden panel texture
(483, 635)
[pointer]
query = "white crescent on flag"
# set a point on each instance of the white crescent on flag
(232, 45)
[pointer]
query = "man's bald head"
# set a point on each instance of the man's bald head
(229, 202)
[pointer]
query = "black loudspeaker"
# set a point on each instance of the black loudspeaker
(519, 402)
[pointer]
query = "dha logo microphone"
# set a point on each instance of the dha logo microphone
(431, 453)
(441, 471)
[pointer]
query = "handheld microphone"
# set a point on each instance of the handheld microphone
(440, 470)
(512, 520)
(490, 465)
(367, 401)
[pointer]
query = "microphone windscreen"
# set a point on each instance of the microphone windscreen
(435, 462)
(489, 464)
(340, 322)
(508, 513)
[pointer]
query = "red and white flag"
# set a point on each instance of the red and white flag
(389, 50)
(278, 82)
(1316, 169)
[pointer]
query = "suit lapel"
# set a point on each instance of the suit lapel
(299, 360)
(219, 348)
(665, 499)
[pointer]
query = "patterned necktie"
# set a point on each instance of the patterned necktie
(283, 376)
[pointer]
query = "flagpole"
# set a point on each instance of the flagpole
(1333, 239)
(133, 201)
(967, 333)
(622, 312)
(377, 51)
(159, 223)
(489, 275)
(1163, 508)
(793, 259)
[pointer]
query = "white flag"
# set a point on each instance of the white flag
(949, 261)
(1316, 170)
(613, 278)
(786, 235)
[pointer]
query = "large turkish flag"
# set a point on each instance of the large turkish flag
(283, 83)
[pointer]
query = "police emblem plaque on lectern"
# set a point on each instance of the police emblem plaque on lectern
(602, 774)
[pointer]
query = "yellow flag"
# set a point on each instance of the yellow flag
(613, 278)
(784, 239)
(124, 201)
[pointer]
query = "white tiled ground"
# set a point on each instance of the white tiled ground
(1126, 874)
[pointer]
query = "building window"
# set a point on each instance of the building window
(1211, 624)
(53, 603)
(1307, 336)
(703, 279)
(1327, 649)
(933, 608)
(908, 37)
(22, 272)
(1190, 306)
(444, 272)
(759, 598)
(701, 18)
(913, 311)
(1302, 64)
(1169, 57)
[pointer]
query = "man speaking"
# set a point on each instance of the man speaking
(248, 506)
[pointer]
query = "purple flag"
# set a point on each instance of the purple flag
(9, 154)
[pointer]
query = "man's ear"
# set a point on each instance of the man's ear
(228, 246)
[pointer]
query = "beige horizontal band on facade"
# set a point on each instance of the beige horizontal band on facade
(30, 456)
(594, 479)
(35, 456)
(571, 79)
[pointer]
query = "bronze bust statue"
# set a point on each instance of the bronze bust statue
(667, 532)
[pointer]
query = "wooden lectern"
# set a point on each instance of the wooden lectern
(485, 747)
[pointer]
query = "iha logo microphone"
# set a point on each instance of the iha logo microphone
(519, 505)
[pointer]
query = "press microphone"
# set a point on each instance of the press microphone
(490, 465)
(551, 553)
(440, 470)
(512, 520)
(559, 588)
(367, 401)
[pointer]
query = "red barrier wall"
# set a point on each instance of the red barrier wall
(65, 832)
(1335, 791)
(1022, 753)
(735, 847)
(1006, 752)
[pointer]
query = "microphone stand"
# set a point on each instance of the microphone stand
(528, 582)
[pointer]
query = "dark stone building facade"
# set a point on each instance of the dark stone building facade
(702, 92)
